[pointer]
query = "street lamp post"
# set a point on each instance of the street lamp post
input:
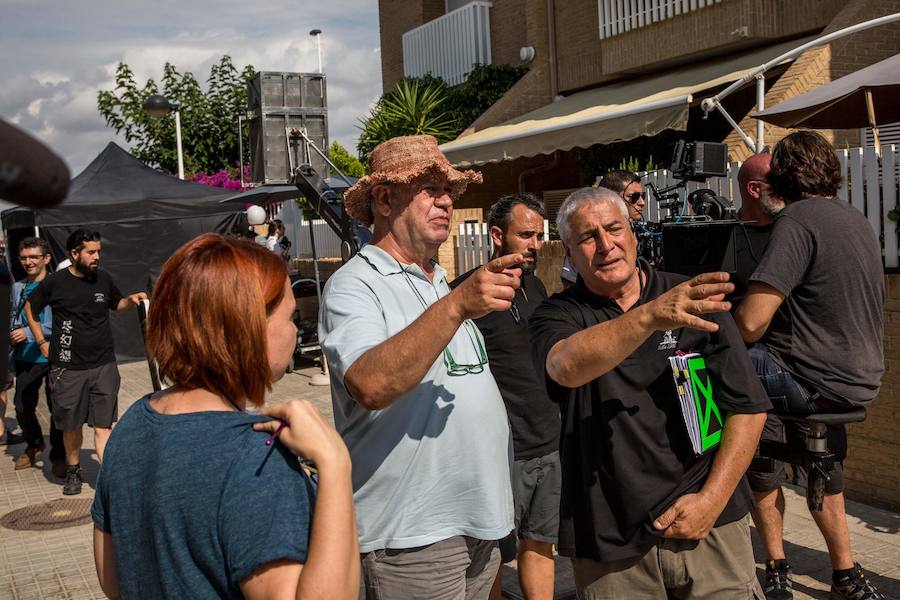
(159, 106)
(317, 33)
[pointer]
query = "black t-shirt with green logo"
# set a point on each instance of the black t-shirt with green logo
(82, 336)
(626, 455)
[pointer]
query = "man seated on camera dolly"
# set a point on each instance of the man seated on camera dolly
(641, 515)
(816, 303)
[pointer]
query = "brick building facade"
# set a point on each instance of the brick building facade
(579, 59)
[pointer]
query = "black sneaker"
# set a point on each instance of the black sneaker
(779, 584)
(11, 439)
(72, 486)
(855, 586)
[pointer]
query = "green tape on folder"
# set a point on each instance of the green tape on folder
(701, 414)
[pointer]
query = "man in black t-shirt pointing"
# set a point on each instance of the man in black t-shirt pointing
(84, 379)
(642, 515)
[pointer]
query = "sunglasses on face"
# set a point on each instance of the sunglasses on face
(635, 196)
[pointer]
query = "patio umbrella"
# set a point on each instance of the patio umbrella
(863, 98)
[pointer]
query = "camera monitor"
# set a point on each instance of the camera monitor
(699, 247)
(698, 161)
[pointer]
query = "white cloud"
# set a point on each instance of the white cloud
(61, 63)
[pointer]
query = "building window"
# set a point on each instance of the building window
(619, 16)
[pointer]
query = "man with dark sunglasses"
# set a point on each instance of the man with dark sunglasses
(628, 185)
(516, 225)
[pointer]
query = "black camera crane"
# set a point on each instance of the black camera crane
(323, 198)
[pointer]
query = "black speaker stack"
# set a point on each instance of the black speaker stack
(278, 102)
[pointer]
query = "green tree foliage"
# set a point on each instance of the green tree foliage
(346, 162)
(469, 100)
(208, 117)
(408, 109)
(453, 108)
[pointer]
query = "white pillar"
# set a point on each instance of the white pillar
(760, 105)
(178, 144)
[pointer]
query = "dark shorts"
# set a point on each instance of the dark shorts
(82, 396)
(788, 396)
(536, 489)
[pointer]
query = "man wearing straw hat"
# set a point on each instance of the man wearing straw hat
(413, 398)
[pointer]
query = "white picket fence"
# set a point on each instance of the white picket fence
(328, 244)
(474, 246)
(868, 186)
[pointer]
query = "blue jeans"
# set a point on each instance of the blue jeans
(786, 395)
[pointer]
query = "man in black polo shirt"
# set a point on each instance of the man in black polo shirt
(84, 379)
(516, 226)
(642, 516)
(816, 303)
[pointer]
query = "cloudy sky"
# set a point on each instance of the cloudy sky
(57, 54)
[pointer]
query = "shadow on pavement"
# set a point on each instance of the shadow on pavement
(881, 521)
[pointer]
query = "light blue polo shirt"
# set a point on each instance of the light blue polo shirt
(435, 463)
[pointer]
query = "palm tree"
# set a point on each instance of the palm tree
(408, 109)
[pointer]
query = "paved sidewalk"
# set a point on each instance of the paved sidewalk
(59, 564)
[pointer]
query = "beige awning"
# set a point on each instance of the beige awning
(612, 113)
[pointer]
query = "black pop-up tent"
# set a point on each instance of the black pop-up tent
(142, 215)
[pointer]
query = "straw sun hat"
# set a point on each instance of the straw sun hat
(403, 160)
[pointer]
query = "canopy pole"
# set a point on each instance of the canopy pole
(870, 108)
(710, 104)
(319, 378)
(760, 105)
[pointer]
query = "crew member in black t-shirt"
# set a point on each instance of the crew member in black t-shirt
(642, 515)
(816, 303)
(516, 226)
(84, 379)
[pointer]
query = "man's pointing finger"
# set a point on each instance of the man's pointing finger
(498, 265)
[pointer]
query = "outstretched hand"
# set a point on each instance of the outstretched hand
(681, 305)
(490, 288)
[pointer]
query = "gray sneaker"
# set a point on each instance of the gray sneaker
(855, 586)
(72, 486)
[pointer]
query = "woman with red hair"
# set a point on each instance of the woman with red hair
(193, 499)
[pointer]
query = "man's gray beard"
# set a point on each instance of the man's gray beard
(770, 206)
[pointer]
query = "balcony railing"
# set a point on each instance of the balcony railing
(619, 16)
(448, 46)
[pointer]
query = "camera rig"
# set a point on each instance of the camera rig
(695, 230)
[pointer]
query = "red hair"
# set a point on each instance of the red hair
(207, 322)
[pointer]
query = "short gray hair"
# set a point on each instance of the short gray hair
(583, 197)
